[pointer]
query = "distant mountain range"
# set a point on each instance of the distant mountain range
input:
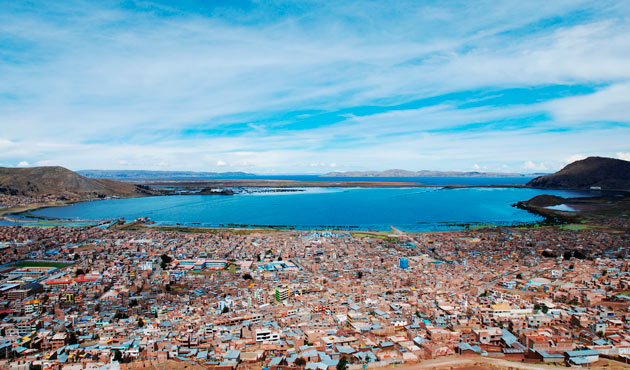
(605, 173)
(424, 173)
(61, 182)
(128, 175)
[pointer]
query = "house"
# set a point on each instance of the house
(488, 336)
(581, 357)
(58, 340)
(543, 356)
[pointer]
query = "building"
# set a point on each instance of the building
(282, 294)
(266, 335)
(582, 357)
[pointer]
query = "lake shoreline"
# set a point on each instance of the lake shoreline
(414, 216)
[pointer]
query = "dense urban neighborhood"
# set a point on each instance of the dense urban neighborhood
(98, 297)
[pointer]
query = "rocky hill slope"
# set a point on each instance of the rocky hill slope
(607, 173)
(61, 182)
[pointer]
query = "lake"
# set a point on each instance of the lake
(408, 209)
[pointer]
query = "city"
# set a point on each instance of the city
(81, 297)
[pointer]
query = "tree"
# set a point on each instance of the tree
(226, 309)
(579, 254)
(342, 364)
(300, 361)
(140, 323)
(80, 272)
(359, 274)
(72, 338)
(548, 254)
(166, 259)
(117, 355)
(247, 277)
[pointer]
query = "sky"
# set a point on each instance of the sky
(283, 87)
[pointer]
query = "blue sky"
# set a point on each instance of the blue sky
(313, 86)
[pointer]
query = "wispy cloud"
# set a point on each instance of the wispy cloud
(267, 87)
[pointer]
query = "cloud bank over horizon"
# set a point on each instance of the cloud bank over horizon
(313, 87)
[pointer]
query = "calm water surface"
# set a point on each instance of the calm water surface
(409, 209)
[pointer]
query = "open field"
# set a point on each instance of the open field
(204, 230)
(40, 264)
(478, 362)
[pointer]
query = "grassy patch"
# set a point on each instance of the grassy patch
(40, 264)
(578, 227)
(367, 235)
(382, 237)
(202, 230)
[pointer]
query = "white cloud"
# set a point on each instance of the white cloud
(5, 144)
(608, 104)
(573, 158)
(46, 162)
(531, 166)
(476, 167)
(131, 96)
(23, 164)
(624, 156)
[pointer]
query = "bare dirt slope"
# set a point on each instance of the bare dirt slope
(59, 181)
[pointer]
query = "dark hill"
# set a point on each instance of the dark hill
(60, 181)
(607, 173)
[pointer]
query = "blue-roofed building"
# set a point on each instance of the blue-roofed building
(544, 356)
(232, 355)
(582, 357)
(345, 350)
(464, 348)
(275, 361)
(367, 356)
(316, 366)
(508, 338)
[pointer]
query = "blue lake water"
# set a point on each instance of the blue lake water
(409, 209)
(426, 180)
